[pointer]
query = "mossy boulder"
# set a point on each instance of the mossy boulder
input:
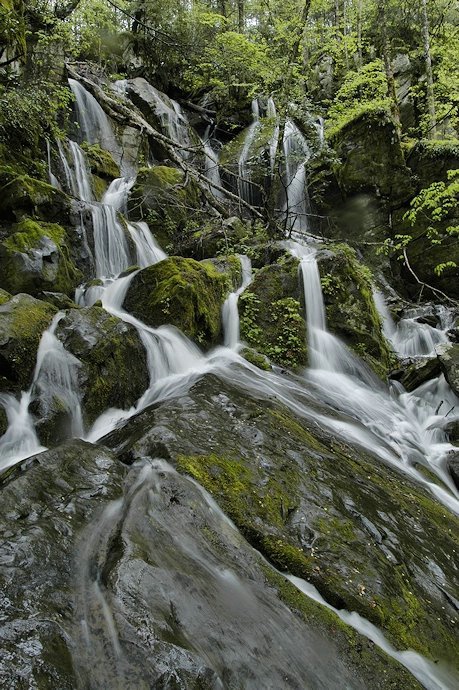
(101, 162)
(371, 158)
(228, 266)
(35, 256)
(350, 308)
(23, 320)
(4, 296)
(258, 162)
(181, 292)
(272, 316)
(431, 159)
(23, 195)
(166, 200)
(106, 348)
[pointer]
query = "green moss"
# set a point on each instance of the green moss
(181, 292)
(101, 162)
(271, 322)
(229, 266)
(4, 296)
(99, 187)
(350, 308)
(59, 275)
(255, 358)
(21, 193)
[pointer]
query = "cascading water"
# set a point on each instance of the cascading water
(296, 153)
(211, 169)
(148, 250)
(405, 424)
(52, 177)
(95, 127)
(271, 114)
(245, 188)
(230, 313)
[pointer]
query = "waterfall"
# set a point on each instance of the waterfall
(409, 337)
(271, 114)
(148, 250)
(211, 169)
(245, 189)
(230, 313)
(80, 180)
(94, 125)
(54, 379)
(52, 177)
(296, 153)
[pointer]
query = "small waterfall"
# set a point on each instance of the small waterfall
(245, 189)
(230, 313)
(95, 127)
(80, 180)
(56, 378)
(211, 169)
(271, 114)
(320, 127)
(52, 177)
(408, 337)
(148, 250)
(70, 179)
(296, 154)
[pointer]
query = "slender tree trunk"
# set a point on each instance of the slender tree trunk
(359, 32)
(386, 54)
(429, 75)
(222, 7)
(240, 15)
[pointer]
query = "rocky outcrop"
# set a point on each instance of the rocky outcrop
(183, 293)
(35, 257)
(449, 360)
(136, 579)
(106, 348)
(22, 322)
(314, 506)
(271, 314)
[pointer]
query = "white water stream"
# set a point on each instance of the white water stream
(245, 189)
(396, 427)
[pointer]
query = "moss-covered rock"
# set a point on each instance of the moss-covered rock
(363, 533)
(24, 195)
(229, 266)
(106, 348)
(350, 308)
(36, 257)
(22, 322)
(271, 314)
(4, 296)
(163, 197)
(101, 162)
(181, 292)
(371, 158)
(449, 360)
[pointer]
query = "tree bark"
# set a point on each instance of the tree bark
(386, 54)
(240, 15)
(429, 74)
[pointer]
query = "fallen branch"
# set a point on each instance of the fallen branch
(436, 291)
(121, 113)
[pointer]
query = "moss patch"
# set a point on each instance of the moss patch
(181, 292)
(101, 162)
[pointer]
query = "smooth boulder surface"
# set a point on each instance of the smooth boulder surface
(106, 347)
(134, 579)
(22, 322)
(367, 537)
(183, 293)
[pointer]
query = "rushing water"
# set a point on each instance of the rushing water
(296, 153)
(245, 187)
(399, 428)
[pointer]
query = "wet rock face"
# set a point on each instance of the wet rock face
(136, 580)
(271, 314)
(449, 360)
(106, 348)
(22, 322)
(181, 292)
(35, 257)
(314, 507)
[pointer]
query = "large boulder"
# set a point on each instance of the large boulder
(181, 292)
(272, 316)
(367, 536)
(102, 166)
(24, 195)
(135, 579)
(350, 308)
(35, 257)
(106, 348)
(449, 360)
(23, 320)
(163, 197)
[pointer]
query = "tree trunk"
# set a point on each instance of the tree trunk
(429, 75)
(359, 33)
(240, 15)
(386, 54)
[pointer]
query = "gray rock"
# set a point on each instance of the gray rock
(449, 360)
